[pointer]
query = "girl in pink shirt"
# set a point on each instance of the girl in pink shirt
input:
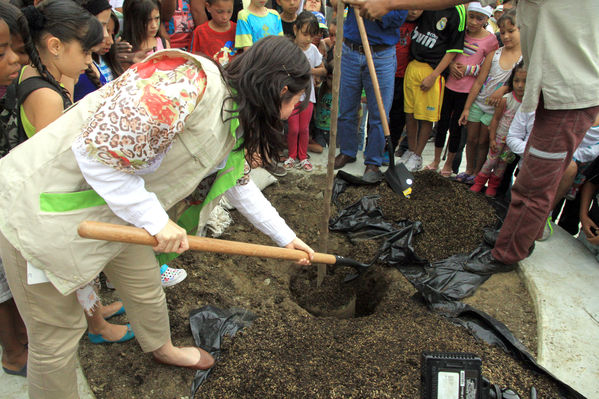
(478, 44)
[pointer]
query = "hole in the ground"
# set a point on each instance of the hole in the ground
(337, 298)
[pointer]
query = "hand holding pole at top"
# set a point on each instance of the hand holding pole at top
(376, 9)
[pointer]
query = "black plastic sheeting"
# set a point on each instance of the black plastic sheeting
(209, 325)
(441, 284)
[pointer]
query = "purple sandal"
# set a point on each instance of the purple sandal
(461, 177)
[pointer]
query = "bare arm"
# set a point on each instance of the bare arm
(167, 9)
(428, 82)
(43, 107)
(586, 194)
(478, 84)
(374, 9)
(494, 122)
(319, 70)
(198, 10)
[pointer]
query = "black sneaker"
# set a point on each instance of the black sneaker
(487, 264)
(276, 170)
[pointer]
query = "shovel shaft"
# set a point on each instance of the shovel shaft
(135, 235)
(372, 71)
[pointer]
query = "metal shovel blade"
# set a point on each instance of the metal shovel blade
(399, 178)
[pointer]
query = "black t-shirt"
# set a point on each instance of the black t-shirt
(288, 28)
(592, 175)
(437, 33)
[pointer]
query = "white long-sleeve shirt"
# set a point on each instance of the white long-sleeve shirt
(519, 132)
(128, 198)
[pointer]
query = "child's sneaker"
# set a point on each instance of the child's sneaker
(170, 276)
(305, 165)
(289, 163)
(406, 156)
(414, 164)
(547, 230)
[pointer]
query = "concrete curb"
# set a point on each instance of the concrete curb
(562, 277)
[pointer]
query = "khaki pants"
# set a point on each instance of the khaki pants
(55, 323)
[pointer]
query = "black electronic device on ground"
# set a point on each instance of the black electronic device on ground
(451, 375)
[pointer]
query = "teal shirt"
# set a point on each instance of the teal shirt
(251, 27)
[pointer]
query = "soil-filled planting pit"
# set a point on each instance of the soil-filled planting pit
(288, 352)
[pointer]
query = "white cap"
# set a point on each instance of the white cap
(477, 7)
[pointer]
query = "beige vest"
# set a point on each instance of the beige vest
(46, 164)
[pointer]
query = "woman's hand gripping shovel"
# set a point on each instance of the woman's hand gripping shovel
(398, 176)
(135, 235)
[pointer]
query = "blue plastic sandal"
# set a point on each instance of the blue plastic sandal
(117, 313)
(98, 339)
(21, 373)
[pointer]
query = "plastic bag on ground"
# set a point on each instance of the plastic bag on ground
(209, 325)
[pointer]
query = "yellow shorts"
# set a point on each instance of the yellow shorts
(425, 105)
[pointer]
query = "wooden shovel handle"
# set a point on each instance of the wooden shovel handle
(135, 235)
(372, 71)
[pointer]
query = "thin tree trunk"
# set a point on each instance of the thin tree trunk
(326, 214)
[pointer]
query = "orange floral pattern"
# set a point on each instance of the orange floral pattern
(141, 113)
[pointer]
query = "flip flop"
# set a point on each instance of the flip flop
(21, 373)
(447, 174)
(461, 177)
(428, 167)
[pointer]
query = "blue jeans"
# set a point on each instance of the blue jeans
(354, 77)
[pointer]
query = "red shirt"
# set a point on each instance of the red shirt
(402, 48)
(214, 44)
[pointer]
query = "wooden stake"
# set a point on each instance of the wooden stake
(328, 192)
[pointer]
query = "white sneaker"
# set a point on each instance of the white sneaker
(170, 276)
(406, 156)
(414, 163)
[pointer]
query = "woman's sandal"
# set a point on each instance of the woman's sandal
(430, 167)
(117, 313)
(99, 339)
(206, 361)
(446, 173)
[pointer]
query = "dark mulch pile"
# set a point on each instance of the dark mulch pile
(288, 353)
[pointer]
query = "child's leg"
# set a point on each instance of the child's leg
(472, 146)
(304, 131)
(292, 133)
(447, 110)
(482, 147)
(412, 131)
(455, 131)
(492, 159)
(397, 116)
(424, 133)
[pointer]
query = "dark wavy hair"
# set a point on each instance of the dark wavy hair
(136, 14)
(65, 20)
(519, 67)
(508, 16)
(307, 22)
(17, 24)
(256, 79)
(110, 58)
